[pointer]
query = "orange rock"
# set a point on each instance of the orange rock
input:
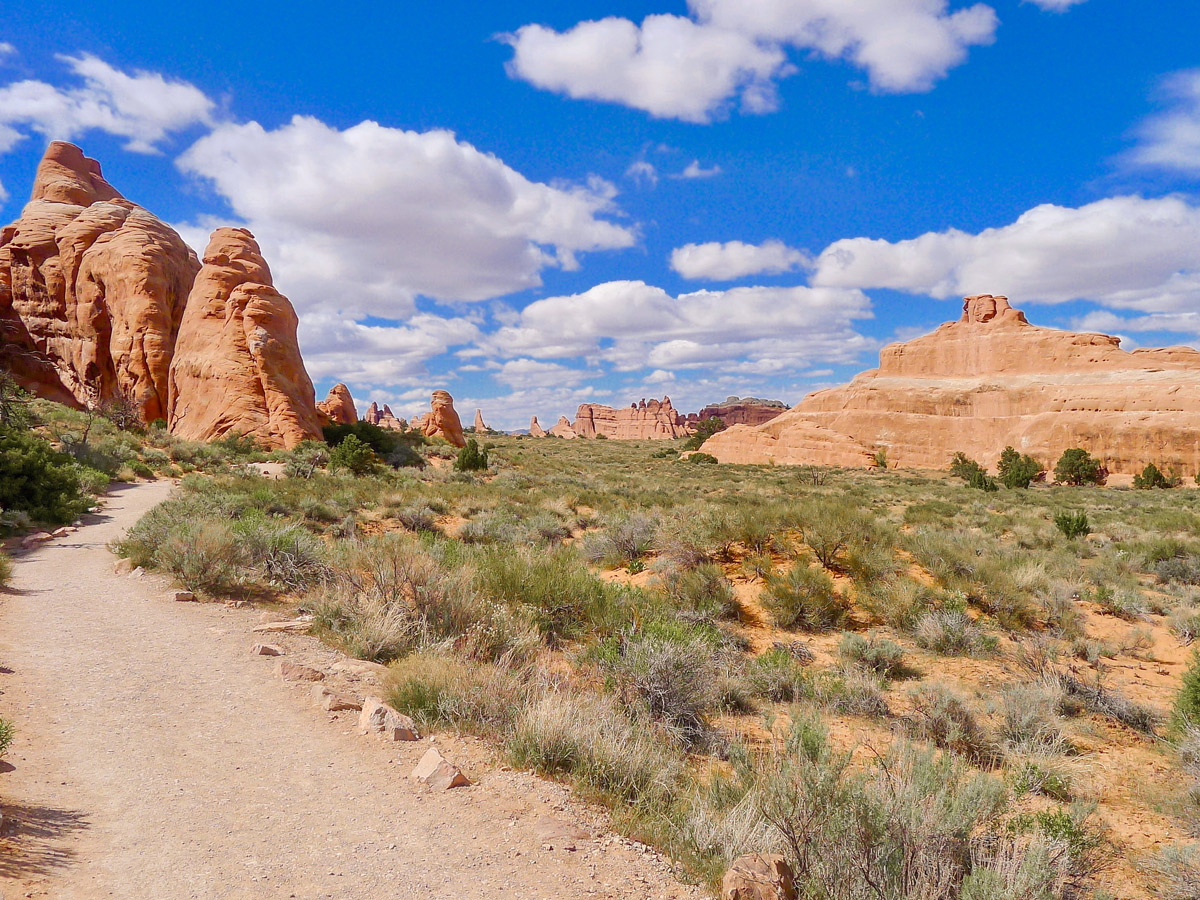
(92, 290)
(237, 367)
(339, 406)
(988, 381)
(480, 428)
(739, 411)
(563, 429)
(384, 418)
(647, 420)
(536, 430)
(442, 421)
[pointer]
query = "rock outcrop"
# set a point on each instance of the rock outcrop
(480, 428)
(987, 381)
(740, 411)
(535, 429)
(442, 420)
(647, 420)
(339, 406)
(563, 429)
(92, 290)
(237, 366)
(384, 418)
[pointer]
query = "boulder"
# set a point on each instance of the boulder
(536, 430)
(437, 773)
(442, 421)
(267, 650)
(563, 429)
(647, 420)
(333, 701)
(759, 876)
(92, 291)
(987, 381)
(339, 406)
(184, 597)
(33, 540)
(379, 718)
(294, 671)
(237, 366)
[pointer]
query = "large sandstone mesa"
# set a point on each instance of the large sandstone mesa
(740, 411)
(92, 290)
(237, 368)
(648, 420)
(988, 381)
(338, 407)
(442, 420)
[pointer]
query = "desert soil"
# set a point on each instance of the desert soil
(155, 757)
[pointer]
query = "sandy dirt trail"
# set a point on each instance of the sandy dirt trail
(157, 758)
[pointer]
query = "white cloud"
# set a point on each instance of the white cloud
(715, 261)
(642, 172)
(369, 217)
(1171, 140)
(7, 49)
(1126, 252)
(633, 325)
(531, 373)
(144, 108)
(1055, 5)
(669, 66)
(695, 170)
(694, 68)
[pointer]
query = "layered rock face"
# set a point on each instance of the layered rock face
(740, 411)
(442, 420)
(988, 381)
(92, 290)
(237, 368)
(647, 420)
(338, 406)
(535, 429)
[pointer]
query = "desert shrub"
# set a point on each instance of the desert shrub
(881, 656)
(631, 537)
(1018, 470)
(703, 459)
(281, 554)
(703, 589)
(962, 466)
(830, 526)
(1103, 701)
(1150, 477)
(981, 481)
(1077, 466)
(952, 633)
(1031, 720)
(203, 555)
(674, 681)
(5, 569)
(1073, 525)
(942, 718)
(1177, 569)
(1185, 624)
(353, 456)
(1122, 603)
(7, 732)
(438, 689)
(848, 691)
(1034, 776)
(898, 601)
(471, 458)
(777, 675)
(705, 429)
(591, 740)
(758, 565)
(1187, 702)
(805, 598)
(306, 459)
(1176, 872)
(417, 518)
(38, 480)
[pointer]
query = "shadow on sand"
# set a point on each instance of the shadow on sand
(34, 839)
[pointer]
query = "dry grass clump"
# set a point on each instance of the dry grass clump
(703, 590)
(951, 632)
(805, 598)
(942, 717)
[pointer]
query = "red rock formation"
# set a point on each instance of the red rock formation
(563, 429)
(647, 420)
(237, 368)
(536, 430)
(739, 411)
(442, 420)
(92, 290)
(339, 406)
(480, 428)
(384, 418)
(988, 381)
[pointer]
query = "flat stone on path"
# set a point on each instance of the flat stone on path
(294, 671)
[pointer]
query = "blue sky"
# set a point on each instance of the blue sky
(534, 204)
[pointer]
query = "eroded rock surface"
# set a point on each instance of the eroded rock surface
(645, 420)
(338, 406)
(987, 381)
(535, 429)
(740, 411)
(563, 429)
(442, 420)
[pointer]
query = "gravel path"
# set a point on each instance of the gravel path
(157, 758)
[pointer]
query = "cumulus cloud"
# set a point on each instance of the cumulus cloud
(532, 373)
(1171, 139)
(1055, 5)
(715, 261)
(694, 68)
(695, 170)
(642, 172)
(370, 217)
(669, 66)
(632, 325)
(1126, 252)
(144, 108)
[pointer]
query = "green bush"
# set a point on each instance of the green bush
(883, 657)
(703, 459)
(38, 480)
(1018, 470)
(5, 569)
(962, 466)
(981, 481)
(306, 459)
(1187, 703)
(394, 446)
(1150, 477)
(7, 732)
(703, 589)
(471, 458)
(805, 598)
(1077, 466)
(705, 429)
(353, 455)
(1073, 525)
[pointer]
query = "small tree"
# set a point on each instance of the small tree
(1077, 466)
(1151, 477)
(471, 458)
(1073, 525)
(705, 429)
(352, 455)
(981, 481)
(123, 412)
(305, 459)
(1018, 470)
(962, 466)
